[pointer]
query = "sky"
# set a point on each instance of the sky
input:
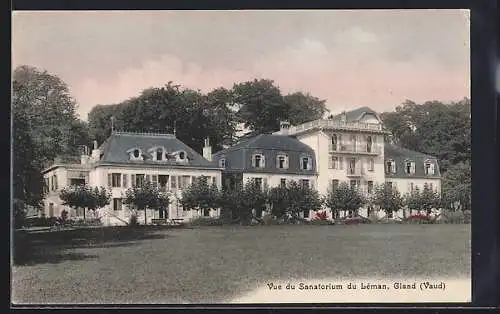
(350, 58)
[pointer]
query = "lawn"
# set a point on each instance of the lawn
(217, 264)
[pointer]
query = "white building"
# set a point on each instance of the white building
(126, 160)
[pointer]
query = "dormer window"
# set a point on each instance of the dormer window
(409, 167)
(159, 154)
(390, 166)
(182, 155)
(258, 161)
(282, 161)
(429, 167)
(222, 162)
(306, 163)
(135, 154)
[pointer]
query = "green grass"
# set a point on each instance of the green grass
(217, 264)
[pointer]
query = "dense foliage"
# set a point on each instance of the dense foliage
(387, 198)
(147, 196)
(345, 198)
(85, 197)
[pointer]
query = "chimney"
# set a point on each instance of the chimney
(207, 150)
(284, 127)
(343, 116)
(96, 153)
(84, 157)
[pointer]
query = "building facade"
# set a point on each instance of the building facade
(350, 147)
(128, 160)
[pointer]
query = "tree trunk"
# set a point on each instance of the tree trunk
(145, 216)
(84, 218)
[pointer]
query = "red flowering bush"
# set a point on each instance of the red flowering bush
(321, 216)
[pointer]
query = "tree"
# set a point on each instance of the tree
(85, 197)
(344, 197)
(279, 201)
(146, 197)
(261, 105)
(43, 126)
(456, 187)
(387, 198)
(200, 195)
(253, 199)
(302, 107)
(301, 198)
(413, 200)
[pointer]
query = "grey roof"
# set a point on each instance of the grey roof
(238, 157)
(400, 155)
(114, 149)
(356, 114)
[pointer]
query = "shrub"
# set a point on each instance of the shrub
(419, 219)
(457, 217)
(320, 222)
(269, 220)
(320, 215)
(206, 221)
(353, 221)
(40, 222)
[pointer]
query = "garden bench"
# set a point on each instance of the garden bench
(159, 221)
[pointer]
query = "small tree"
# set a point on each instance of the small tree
(146, 197)
(85, 197)
(253, 198)
(279, 201)
(413, 200)
(429, 199)
(344, 197)
(200, 195)
(301, 198)
(387, 198)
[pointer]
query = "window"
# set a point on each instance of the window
(352, 184)
(182, 155)
(334, 142)
(304, 183)
(353, 143)
(154, 180)
(139, 180)
(163, 182)
(159, 154)
(371, 164)
(124, 178)
(391, 166)
(117, 204)
(306, 163)
(116, 180)
(352, 166)
(306, 213)
(222, 162)
(136, 153)
(334, 162)
(77, 181)
(283, 182)
(173, 182)
(335, 184)
(51, 210)
(409, 167)
(206, 212)
(214, 180)
(258, 161)
(46, 185)
(370, 187)
(282, 161)
(429, 168)
(184, 182)
(258, 182)
(54, 183)
(369, 144)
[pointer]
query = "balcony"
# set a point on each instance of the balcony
(359, 149)
(356, 171)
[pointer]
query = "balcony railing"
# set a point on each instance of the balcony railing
(337, 125)
(358, 149)
(356, 171)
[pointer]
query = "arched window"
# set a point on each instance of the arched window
(390, 166)
(135, 153)
(258, 160)
(282, 161)
(159, 154)
(222, 162)
(409, 167)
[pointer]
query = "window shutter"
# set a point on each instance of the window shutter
(263, 161)
(253, 160)
(124, 179)
(393, 167)
(286, 162)
(330, 145)
(309, 163)
(278, 161)
(312, 184)
(341, 163)
(132, 180)
(330, 162)
(265, 183)
(148, 178)
(109, 180)
(431, 169)
(412, 167)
